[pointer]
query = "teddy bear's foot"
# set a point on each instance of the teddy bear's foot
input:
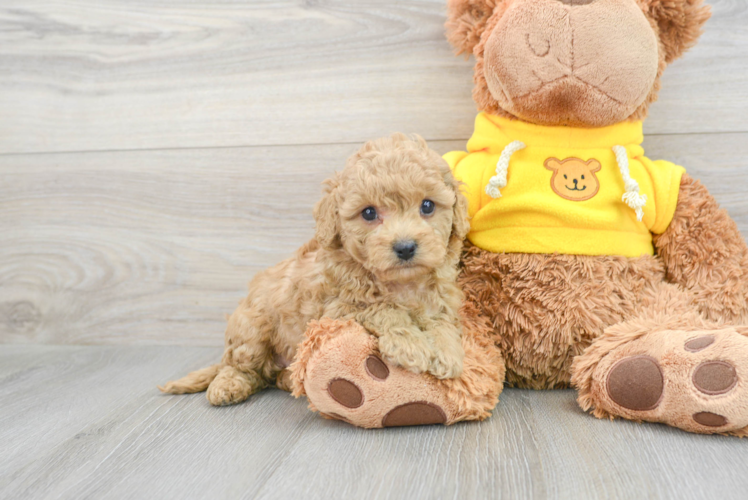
(344, 377)
(694, 380)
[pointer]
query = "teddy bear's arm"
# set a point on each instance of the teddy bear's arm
(705, 253)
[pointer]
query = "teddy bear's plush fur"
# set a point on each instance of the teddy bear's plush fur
(651, 338)
(358, 268)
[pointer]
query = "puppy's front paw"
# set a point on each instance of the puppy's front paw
(447, 359)
(407, 350)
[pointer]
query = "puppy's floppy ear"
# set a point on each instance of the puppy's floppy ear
(326, 215)
(460, 223)
(679, 22)
(466, 21)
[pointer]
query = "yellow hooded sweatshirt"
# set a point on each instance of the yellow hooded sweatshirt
(540, 189)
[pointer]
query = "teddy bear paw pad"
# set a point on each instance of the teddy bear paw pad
(691, 380)
(418, 413)
(636, 383)
(699, 343)
(715, 377)
(345, 392)
(376, 368)
(349, 381)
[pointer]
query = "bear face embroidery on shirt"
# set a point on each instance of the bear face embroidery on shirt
(574, 179)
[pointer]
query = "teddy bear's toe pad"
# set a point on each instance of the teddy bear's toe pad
(345, 392)
(692, 380)
(349, 381)
(699, 343)
(715, 377)
(709, 419)
(377, 368)
(418, 413)
(636, 383)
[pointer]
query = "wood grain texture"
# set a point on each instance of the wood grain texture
(155, 247)
(87, 422)
(113, 74)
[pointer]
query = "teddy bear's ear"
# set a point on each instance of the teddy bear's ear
(594, 165)
(326, 216)
(466, 20)
(680, 23)
(552, 164)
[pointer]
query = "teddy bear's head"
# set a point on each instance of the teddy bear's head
(588, 63)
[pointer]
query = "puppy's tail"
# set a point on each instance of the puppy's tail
(196, 381)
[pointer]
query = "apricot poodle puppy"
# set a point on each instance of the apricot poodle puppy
(389, 232)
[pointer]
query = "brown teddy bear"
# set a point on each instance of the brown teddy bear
(588, 264)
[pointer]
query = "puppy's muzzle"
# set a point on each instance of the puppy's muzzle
(405, 249)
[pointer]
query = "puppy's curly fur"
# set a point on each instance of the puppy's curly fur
(352, 270)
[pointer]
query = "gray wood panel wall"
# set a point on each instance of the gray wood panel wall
(155, 154)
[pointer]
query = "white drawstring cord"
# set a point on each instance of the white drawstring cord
(502, 166)
(631, 197)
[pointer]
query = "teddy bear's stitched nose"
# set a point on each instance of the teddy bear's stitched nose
(405, 249)
(574, 3)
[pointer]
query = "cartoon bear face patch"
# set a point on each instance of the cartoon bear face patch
(574, 179)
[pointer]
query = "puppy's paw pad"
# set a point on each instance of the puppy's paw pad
(345, 393)
(699, 343)
(416, 413)
(636, 383)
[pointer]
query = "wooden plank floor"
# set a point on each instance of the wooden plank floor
(87, 422)
(123, 225)
(155, 154)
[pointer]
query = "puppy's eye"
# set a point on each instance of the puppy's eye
(369, 213)
(427, 207)
(565, 176)
(582, 177)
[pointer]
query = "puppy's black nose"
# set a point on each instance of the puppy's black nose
(405, 249)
